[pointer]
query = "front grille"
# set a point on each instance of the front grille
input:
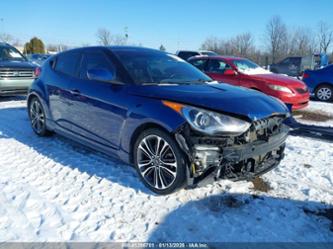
(16, 74)
(302, 90)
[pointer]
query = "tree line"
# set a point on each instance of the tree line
(279, 41)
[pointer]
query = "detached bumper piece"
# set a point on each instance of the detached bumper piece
(237, 158)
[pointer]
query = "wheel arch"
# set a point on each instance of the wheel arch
(138, 131)
(35, 94)
(323, 84)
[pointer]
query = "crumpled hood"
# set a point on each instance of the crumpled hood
(279, 79)
(16, 65)
(222, 98)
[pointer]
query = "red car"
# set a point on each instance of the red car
(243, 72)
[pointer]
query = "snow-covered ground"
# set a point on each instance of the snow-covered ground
(54, 190)
(318, 107)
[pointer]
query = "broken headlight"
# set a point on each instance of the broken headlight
(213, 123)
(210, 122)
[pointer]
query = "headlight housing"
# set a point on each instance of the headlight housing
(209, 122)
(280, 88)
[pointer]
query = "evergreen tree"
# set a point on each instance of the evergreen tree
(34, 46)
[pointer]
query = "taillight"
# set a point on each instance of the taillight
(306, 75)
(37, 72)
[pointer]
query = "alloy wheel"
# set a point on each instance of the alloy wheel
(157, 162)
(37, 116)
(324, 93)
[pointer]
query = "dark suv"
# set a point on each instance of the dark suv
(16, 72)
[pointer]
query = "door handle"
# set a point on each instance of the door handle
(74, 92)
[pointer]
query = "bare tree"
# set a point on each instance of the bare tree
(325, 36)
(4, 37)
(301, 42)
(104, 37)
(243, 44)
(213, 44)
(276, 34)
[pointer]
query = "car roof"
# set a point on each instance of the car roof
(115, 48)
(132, 48)
(228, 58)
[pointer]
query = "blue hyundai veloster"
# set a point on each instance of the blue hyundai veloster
(161, 114)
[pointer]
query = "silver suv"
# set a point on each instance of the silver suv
(16, 72)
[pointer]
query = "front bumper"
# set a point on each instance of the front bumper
(297, 101)
(236, 162)
(14, 86)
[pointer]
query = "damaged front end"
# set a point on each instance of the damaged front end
(233, 157)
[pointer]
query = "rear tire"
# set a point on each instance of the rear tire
(159, 161)
(324, 93)
(37, 117)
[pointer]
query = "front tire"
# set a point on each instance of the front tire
(37, 117)
(159, 161)
(324, 93)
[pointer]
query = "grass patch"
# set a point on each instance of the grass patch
(261, 185)
(313, 116)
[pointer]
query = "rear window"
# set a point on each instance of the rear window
(67, 63)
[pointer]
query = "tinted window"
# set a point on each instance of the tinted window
(149, 66)
(200, 64)
(68, 62)
(95, 60)
(217, 66)
(185, 55)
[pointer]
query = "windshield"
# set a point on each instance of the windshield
(154, 67)
(248, 67)
(10, 54)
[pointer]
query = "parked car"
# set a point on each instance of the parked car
(156, 111)
(320, 82)
(186, 54)
(37, 59)
(243, 72)
(294, 66)
(16, 72)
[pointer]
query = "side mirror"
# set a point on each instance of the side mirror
(229, 72)
(102, 74)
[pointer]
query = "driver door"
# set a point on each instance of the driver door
(97, 106)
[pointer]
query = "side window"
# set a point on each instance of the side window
(296, 61)
(95, 60)
(200, 64)
(217, 66)
(67, 63)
